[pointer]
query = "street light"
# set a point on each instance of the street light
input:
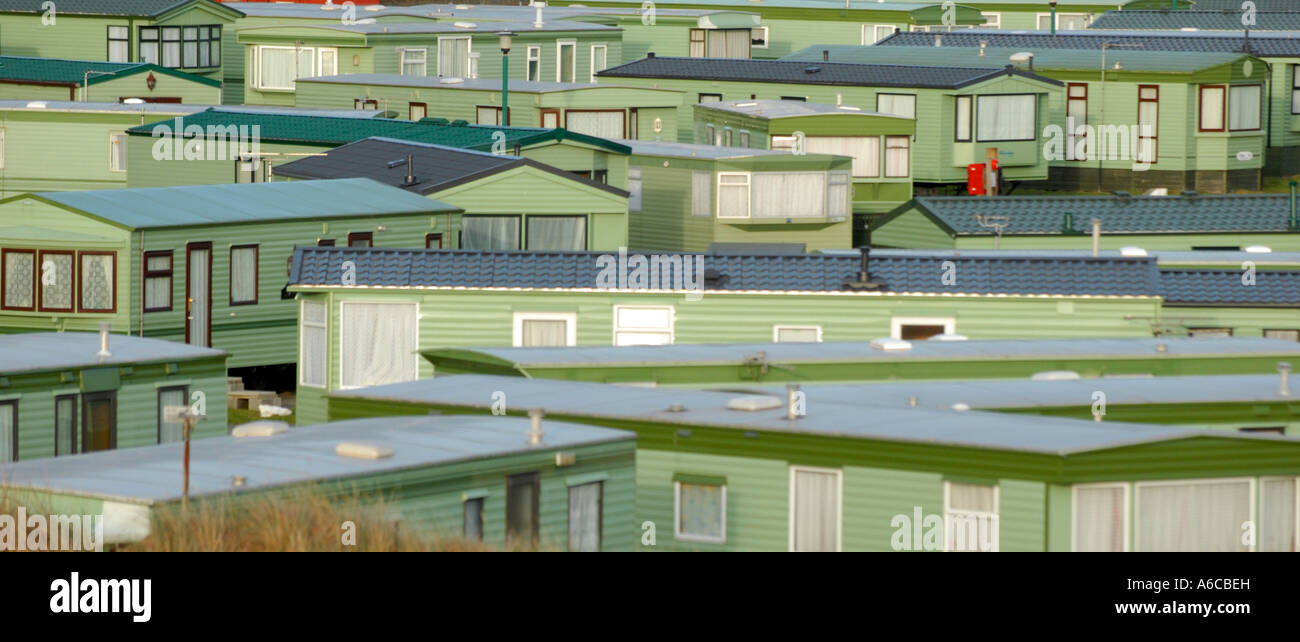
(506, 37)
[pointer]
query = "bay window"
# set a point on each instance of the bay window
(171, 47)
(898, 156)
(864, 150)
(1212, 107)
(1008, 117)
(1244, 107)
(56, 286)
(604, 123)
(19, 279)
(839, 194)
(788, 195)
(97, 278)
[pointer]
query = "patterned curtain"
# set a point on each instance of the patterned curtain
(19, 273)
(1099, 519)
(97, 281)
(700, 510)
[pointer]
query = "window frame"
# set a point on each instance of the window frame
(75, 427)
(1155, 136)
(1200, 108)
(113, 166)
(40, 285)
(1209, 329)
(896, 324)
(533, 479)
(415, 339)
(621, 112)
(1033, 129)
(533, 54)
(1072, 137)
(157, 43)
(481, 500)
(1127, 514)
(591, 59)
(681, 536)
(1265, 331)
(230, 274)
(480, 109)
(839, 512)
(1259, 112)
(81, 281)
(996, 24)
(997, 515)
(672, 323)
(699, 97)
(885, 161)
(778, 327)
(570, 320)
(600, 513)
(259, 78)
(108, 34)
(410, 110)
(4, 279)
(401, 60)
(324, 326)
(874, 27)
(158, 393)
(169, 274)
(1137, 501)
(368, 237)
(13, 403)
(717, 194)
(692, 41)
(559, 59)
(469, 49)
(888, 93)
(767, 37)
(430, 238)
(1295, 89)
(969, 112)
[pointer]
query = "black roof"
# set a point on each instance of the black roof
(436, 167)
(1261, 43)
(813, 73)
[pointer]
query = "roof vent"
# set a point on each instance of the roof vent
(811, 70)
(947, 337)
(362, 450)
(961, 407)
(650, 54)
(450, 80)
(464, 25)
(260, 429)
(848, 107)
(36, 104)
(746, 104)
(754, 402)
(1258, 249)
(889, 344)
(676, 408)
(1132, 251)
(714, 278)
(535, 427)
(103, 353)
(1055, 375)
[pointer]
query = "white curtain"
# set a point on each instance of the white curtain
(599, 56)
(898, 156)
(377, 343)
(171, 47)
(117, 157)
(963, 118)
(119, 44)
(1285, 335)
(604, 124)
(1277, 529)
(58, 294)
(243, 274)
(329, 62)
(896, 104)
(699, 508)
(8, 423)
(544, 333)
(1010, 117)
(634, 189)
(199, 287)
(312, 361)
(65, 425)
(567, 62)
(169, 431)
(1148, 126)
(1099, 519)
(453, 57)
(816, 510)
(278, 70)
(557, 233)
(971, 518)
(489, 233)
(584, 517)
(413, 62)
(696, 43)
(733, 196)
(789, 194)
(488, 116)
(20, 275)
(839, 195)
(701, 193)
(97, 281)
(865, 151)
(1211, 108)
(1195, 516)
(1243, 107)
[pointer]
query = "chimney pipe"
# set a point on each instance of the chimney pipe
(103, 340)
(537, 21)
(938, 40)
(826, 55)
(410, 169)
(791, 401)
(1096, 236)
(1284, 379)
(535, 430)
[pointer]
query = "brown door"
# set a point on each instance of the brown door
(99, 419)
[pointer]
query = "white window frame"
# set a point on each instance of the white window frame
(1128, 513)
(896, 324)
(677, 518)
(570, 320)
(1254, 501)
(343, 329)
(1295, 89)
(874, 28)
(401, 60)
(257, 70)
(672, 322)
(996, 23)
(839, 512)
(302, 321)
(634, 187)
(112, 152)
(749, 189)
(1087, 18)
(559, 56)
(997, 514)
(469, 49)
(777, 328)
(320, 61)
(1295, 510)
(591, 60)
(534, 53)
(767, 37)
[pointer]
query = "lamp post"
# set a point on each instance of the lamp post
(85, 82)
(505, 37)
(1053, 4)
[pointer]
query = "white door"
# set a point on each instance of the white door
(814, 509)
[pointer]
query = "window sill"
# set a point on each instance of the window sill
(794, 220)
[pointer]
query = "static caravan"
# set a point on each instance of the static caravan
(1016, 103)
(280, 55)
(1261, 223)
(507, 202)
(205, 265)
(64, 393)
(477, 478)
(746, 471)
(86, 80)
(422, 299)
(878, 143)
(183, 35)
(1243, 301)
(786, 358)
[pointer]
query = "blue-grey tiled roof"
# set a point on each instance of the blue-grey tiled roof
(1226, 213)
(1199, 19)
(1268, 288)
(813, 73)
(418, 268)
(1261, 43)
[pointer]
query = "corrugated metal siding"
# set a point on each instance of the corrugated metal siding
(1021, 515)
(873, 497)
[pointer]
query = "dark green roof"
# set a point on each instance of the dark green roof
(134, 8)
(1045, 215)
(60, 71)
(334, 131)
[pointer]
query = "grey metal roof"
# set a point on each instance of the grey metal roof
(151, 8)
(773, 109)
(1024, 393)
(435, 82)
(431, 27)
(694, 150)
(38, 351)
(157, 207)
(850, 352)
(429, 269)
(450, 11)
(1046, 58)
(1271, 44)
(974, 429)
(437, 167)
(1045, 215)
(151, 474)
(815, 73)
(1198, 19)
(152, 109)
(1229, 288)
(1163, 257)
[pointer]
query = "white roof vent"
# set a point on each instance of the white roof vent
(1022, 57)
(848, 107)
(948, 337)
(961, 407)
(1055, 375)
(36, 104)
(260, 429)
(464, 25)
(739, 104)
(450, 81)
(1130, 250)
(754, 402)
(462, 7)
(889, 345)
(1258, 249)
(359, 450)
